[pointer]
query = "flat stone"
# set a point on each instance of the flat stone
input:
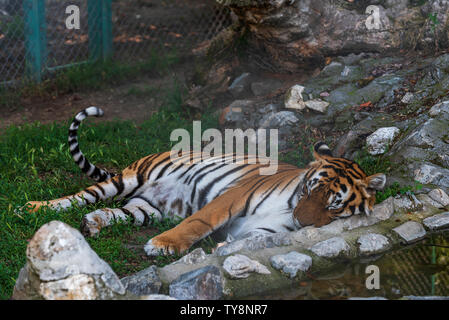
(200, 284)
(196, 256)
(438, 221)
(330, 248)
(379, 141)
(372, 243)
(240, 266)
(410, 231)
(425, 298)
(157, 297)
(317, 105)
(367, 298)
(294, 98)
(439, 196)
(384, 210)
(291, 262)
(144, 282)
(255, 241)
(405, 203)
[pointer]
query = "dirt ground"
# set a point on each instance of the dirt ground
(128, 101)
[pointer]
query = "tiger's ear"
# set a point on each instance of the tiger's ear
(376, 181)
(320, 149)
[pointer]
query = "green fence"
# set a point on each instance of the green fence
(35, 40)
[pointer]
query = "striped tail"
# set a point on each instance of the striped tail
(90, 169)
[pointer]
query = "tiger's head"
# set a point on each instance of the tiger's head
(334, 188)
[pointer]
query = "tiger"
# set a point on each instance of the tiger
(218, 196)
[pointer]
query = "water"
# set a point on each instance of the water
(419, 270)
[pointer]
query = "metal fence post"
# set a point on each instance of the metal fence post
(35, 37)
(99, 19)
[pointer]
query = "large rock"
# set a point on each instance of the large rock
(379, 141)
(331, 248)
(372, 243)
(62, 266)
(410, 231)
(422, 154)
(438, 221)
(200, 284)
(145, 282)
(296, 33)
(291, 262)
(255, 242)
(240, 266)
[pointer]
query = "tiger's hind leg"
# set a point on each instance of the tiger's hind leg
(137, 210)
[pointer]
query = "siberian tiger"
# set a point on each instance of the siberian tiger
(216, 195)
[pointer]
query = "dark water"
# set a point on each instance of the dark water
(419, 270)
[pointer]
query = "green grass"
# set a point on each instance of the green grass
(380, 164)
(35, 165)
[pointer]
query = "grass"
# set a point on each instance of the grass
(380, 164)
(35, 164)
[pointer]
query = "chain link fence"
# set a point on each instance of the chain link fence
(34, 38)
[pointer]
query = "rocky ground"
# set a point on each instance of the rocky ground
(348, 101)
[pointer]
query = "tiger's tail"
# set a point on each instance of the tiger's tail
(90, 169)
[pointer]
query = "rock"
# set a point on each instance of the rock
(291, 262)
(431, 174)
(61, 265)
(294, 98)
(196, 256)
(439, 196)
(201, 284)
(384, 210)
(407, 98)
(367, 298)
(440, 110)
(427, 202)
(422, 154)
(142, 283)
(317, 105)
(372, 243)
(239, 85)
(262, 88)
(380, 140)
(410, 231)
(239, 266)
(157, 297)
(425, 298)
(255, 242)
(330, 248)
(438, 221)
(297, 34)
(407, 203)
(279, 119)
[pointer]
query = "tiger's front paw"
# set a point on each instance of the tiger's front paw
(163, 245)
